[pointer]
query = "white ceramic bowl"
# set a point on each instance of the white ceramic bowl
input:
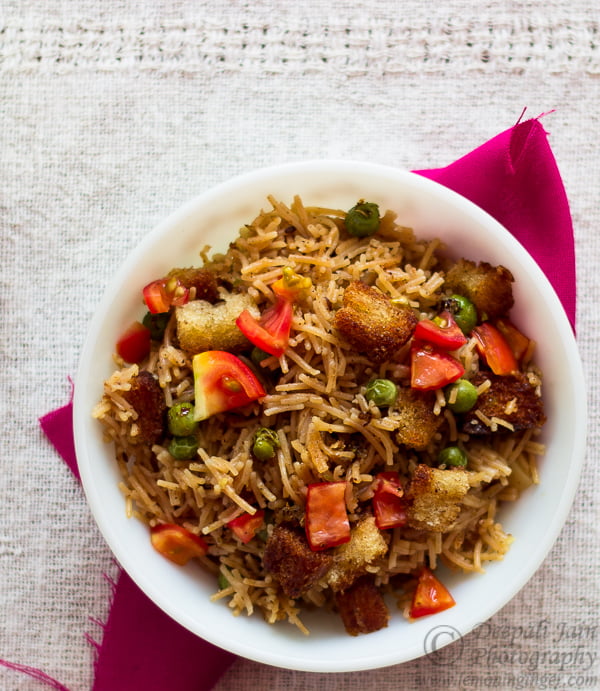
(214, 218)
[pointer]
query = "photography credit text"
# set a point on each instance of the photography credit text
(539, 655)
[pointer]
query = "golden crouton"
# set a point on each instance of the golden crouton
(362, 607)
(148, 400)
(372, 324)
(292, 563)
(202, 280)
(352, 558)
(434, 497)
(488, 287)
(418, 423)
(510, 398)
(202, 326)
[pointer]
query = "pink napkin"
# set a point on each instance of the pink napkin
(514, 177)
(142, 648)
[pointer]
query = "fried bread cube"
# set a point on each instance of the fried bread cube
(488, 287)
(352, 558)
(362, 607)
(418, 422)
(434, 497)
(203, 280)
(511, 398)
(372, 324)
(148, 400)
(292, 563)
(204, 326)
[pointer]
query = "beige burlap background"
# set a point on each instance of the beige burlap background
(114, 113)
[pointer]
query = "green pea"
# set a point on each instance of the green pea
(382, 392)
(222, 582)
(464, 312)
(263, 450)
(268, 518)
(183, 448)
(465, 398)
(452, 456)
(363, 219)
(258, 355)
(180, 420)
(156, 324)
(265, 444)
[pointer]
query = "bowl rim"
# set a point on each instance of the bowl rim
(82, 416)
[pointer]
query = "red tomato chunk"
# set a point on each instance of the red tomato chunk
(134, 344)
(164, 293)
(272, 332)
(443, 333)
(520, 345)
(327, 522)
(432, 368)
(430, 596)
(389, 505)
(176, 543)
(247, 525)
(222, 382)
(494, 349)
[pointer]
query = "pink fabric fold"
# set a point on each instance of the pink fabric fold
(514, 178)
(141, 647)
(57, 425)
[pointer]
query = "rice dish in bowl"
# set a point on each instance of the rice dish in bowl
(308, 388)
(328, 431)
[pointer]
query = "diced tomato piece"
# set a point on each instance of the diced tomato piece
(430, 596)
(520, 345)
(443, 333)
(494, 349)
(134, 343)
(222, 382)
(291, 286)
(389, 505)
(177, 293)
(164, 293)
(176, 543)
(155, 297)
(431, 368)
(272, 332)
(247, 525)
(326, 519)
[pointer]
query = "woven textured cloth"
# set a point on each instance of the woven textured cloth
(115, 113)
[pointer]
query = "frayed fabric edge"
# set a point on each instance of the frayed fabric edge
(35, 673)
(96, 645)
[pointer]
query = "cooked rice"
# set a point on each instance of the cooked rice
(319, 398)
